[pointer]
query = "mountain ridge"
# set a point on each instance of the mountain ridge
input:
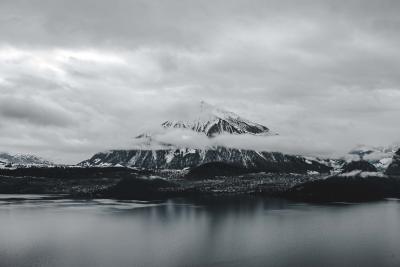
(180, 158)
(22, 159)
(213, 121)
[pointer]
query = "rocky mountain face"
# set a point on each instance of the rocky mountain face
(186, 157)
(360, 165)
(394, 167)
(22, 159)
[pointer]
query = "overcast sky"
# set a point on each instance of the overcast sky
(77, 77)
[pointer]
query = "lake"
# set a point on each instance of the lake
(240, 231)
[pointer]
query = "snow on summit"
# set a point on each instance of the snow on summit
(213, 121)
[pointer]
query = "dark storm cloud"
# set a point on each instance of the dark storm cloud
(35, 112)
(93, 73)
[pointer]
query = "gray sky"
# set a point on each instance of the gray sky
(78, 77)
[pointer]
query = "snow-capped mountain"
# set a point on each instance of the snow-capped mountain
(180, 158)
(22, 159)
(379, 156)
(212, 121)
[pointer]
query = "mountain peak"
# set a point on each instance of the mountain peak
(213, 121)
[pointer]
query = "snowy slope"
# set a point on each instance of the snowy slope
(180, 158)
(213, 121)
(379, 156)
(22, 159)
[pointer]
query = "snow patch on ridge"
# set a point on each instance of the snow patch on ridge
(362, 174)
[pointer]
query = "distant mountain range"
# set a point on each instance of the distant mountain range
(22, 159)
(212, 121)
(379, 156)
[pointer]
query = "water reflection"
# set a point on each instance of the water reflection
(247, 231)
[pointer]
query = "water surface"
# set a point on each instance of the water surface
(247, 231)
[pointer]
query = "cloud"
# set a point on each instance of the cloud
(34, 111)
(295, 145)
(82, 76)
